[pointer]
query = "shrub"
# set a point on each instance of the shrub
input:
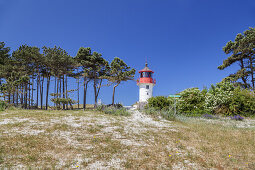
(226, 99)
(3, 105)
(168, 115)
(164, 113)
(192, 100)
(116, 110)
(218, 98)
(151, 111)
(243, 102)
(158, 102)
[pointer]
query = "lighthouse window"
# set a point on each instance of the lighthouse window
(147, 87)
(146, 74)
(147, 93)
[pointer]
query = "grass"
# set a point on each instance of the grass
(92, 139)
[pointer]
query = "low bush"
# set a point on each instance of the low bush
(117, 110)
(167, 114)
(158, 102)
(192, 100)
(224, 98)
(218, 98)
(151, 111)
(3, 105)
(243, 102)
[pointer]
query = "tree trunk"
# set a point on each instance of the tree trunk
(96, 91)
(38, 88)
(55, 90)
(66, 94)
(252, 72)
(17, 96)
(9, 97)
(60, 88)
(243, 77)
(26, 95)
(47, 93)
(84, 93)
(29, 94)
(63, 91)
(21, 96)
(32, 99)
(113, 93)
(78, 90)
(13, 97)
(41, 91)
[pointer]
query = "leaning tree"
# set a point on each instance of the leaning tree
(242, 52)
(119, 72)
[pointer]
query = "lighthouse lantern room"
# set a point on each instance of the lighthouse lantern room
(145, 83)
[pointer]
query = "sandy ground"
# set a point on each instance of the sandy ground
(133, 134)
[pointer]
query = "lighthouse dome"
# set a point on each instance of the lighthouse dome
(146, 69)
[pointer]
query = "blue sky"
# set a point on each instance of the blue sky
(181, 39)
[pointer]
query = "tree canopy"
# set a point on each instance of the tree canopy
(119, 72)
(26, 73)
(242, 52)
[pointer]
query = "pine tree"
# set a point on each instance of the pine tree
(119, 72)
(242, 52)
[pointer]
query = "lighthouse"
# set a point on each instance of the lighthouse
(145, 83)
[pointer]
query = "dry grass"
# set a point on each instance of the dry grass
(92, 140)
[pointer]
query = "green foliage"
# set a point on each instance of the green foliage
(242, 51)
(243, 102)
(158, 102)
(3, 105)
(94, 66)
(151, 111)
(167, 114)
(192, 100)
(219, 97)
(116, 110)
(119, 72)
(4, 53)
(224, 98)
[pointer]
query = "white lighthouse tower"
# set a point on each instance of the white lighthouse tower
(146, 84)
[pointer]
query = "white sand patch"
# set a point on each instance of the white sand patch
(26, 131)
(110, 129)
(6, 121)
(3, 114)
(147, 120)
(179, 166)
(115, 163)
(97, 165)
(13, 120)
(130, 142)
